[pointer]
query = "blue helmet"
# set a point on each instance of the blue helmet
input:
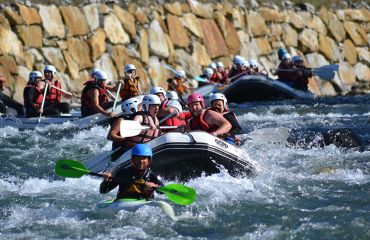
(281, 52)
(141, 149)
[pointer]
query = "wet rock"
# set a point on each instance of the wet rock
(52, 21)
(213, 39)
(92, 16)
(75, 21)
(362, 72)
(177, 32)
(30, 35)
(114, 31)
(290, 36)
(335, 27)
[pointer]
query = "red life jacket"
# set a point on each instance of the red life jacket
(54, 94)
(177, 120)
(37, 99)
(164, 104)
(199, 123)
(129, 89)
(86, 100)
(145, 135)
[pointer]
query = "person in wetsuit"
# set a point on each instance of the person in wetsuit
(136, 181)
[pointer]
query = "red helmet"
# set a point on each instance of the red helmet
(196, 97)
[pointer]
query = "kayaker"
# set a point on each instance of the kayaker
(53, 95)
(206, 119)
(6, 101)
(94, 97)
(161, 93)
(130, 86)
(146, 117)
(219, 104)
(237, 69)
(33, 96)
(302, 80)
(178, 117)
(136, 181)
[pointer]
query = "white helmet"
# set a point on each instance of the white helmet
(156, 90)
(172, 95)
(246, 63)
(33, 75)
(208, 72)
(219, 64)
(238, 60)
(286, 56)
(50, 68)
(129, 67)
(212, 65)
(180, 74)
(130, 106)
(175, 104)
(93, 71)
(218, 96)
(253, 63)
(150, 99)
(100, 75)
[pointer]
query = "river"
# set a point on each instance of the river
(308, 190)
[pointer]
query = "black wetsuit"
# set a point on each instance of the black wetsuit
(125, 178)
(236, 128)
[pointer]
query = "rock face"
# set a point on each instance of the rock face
(187, 35)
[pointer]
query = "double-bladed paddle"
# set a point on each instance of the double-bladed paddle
(176, 193)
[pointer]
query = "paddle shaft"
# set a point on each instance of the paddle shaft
(111, 94)
(71, 94)
(43, 101)
(117, 94)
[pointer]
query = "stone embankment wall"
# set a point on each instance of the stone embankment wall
(186, 35)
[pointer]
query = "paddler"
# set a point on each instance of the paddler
(161, 93)
(301, 83)
(219, 104)
(137, 181)
(130, 86)
(94, 97)
(206, 119)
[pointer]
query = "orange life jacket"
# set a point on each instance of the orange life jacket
(54, 94)
(145, 135)
(37, 99)
(130, 88)
(86, 100)
(199, 123)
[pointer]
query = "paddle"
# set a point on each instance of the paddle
(131, 128)
(326, 72)
(43, 101)
(117, 94)
(176, 193)
(71, 94)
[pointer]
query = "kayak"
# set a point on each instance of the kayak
(131, 204)
(181, 156)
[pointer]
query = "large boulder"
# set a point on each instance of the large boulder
(193, 24)
(75, 20)
(173, 8)
(230, 34)
(335, 27)
(114, 31)
(347, 75)
(364, 55)
(318, 25)
(30, 15)
(200, 54)
(54, 56)
(290, 36)
(30, 35)
(97, 43)
(261, 46)
(144, 45)
(12, 16)
(9, 43)
(349, 51)
(271, 15)
(357, 34)
(157, 72)
(238, 18)
(106, 63)
(9, 63)
(72, 66)
(213, 39)
(362, 72)
(177, 32)
(80, 52)
(92, 16)
(308, 40)
(120, 57)
(256, 24)
(362, 15)
(52, 21)
(188, 62)
(294, 19)
(329, 48)
(200, 9)
(127, 20)
(157, 40)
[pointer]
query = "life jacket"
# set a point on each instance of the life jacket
(233, 120)
(53, 94)
(177, 120)
(129, 89)
(147, 134)
(164, 104)
(37, 99)
(199, 123)
(85, 99)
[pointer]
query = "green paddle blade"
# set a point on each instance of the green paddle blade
(179, 194)
(70, 168)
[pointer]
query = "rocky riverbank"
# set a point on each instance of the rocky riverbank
(186, 35)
